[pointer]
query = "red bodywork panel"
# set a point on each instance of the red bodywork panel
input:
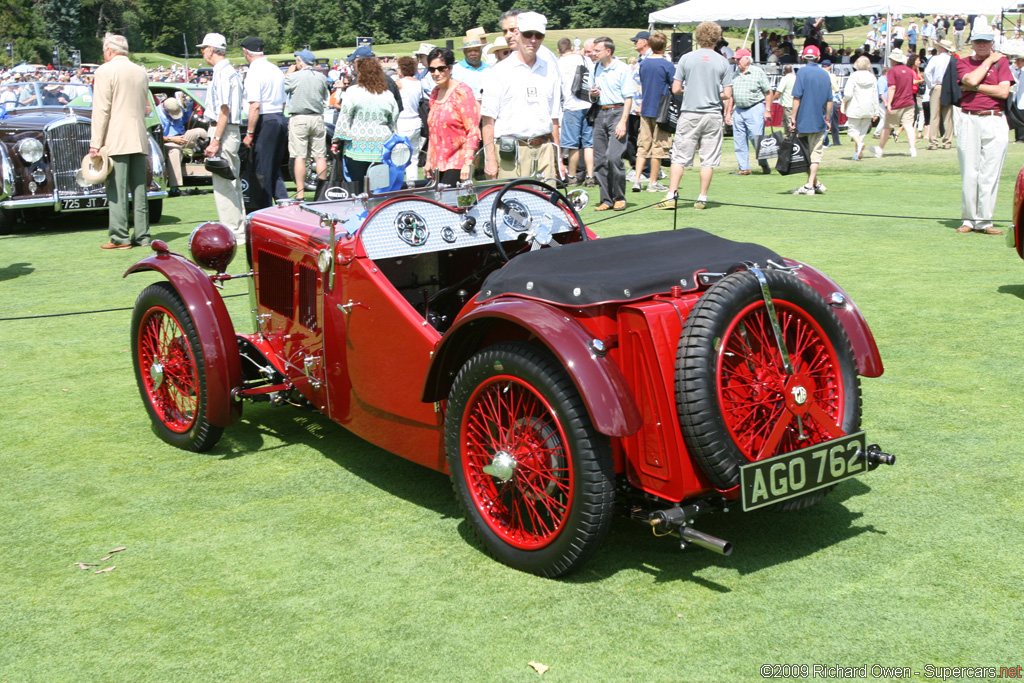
(1018, 204)
(214, 327)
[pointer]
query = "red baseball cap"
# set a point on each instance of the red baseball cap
(742, 52)
(811, 51)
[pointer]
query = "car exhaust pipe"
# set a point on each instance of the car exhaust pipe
(876, 457)
(678, 518)
(689, 535)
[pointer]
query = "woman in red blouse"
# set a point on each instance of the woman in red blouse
(454, 122)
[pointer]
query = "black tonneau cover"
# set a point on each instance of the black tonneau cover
(622, 268)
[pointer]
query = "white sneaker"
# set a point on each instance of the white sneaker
(662, 175)
(856, 156)
(877, 151)
(803, 189)
(913, 151)
(631, 176)
(655, 186)
(819, 188)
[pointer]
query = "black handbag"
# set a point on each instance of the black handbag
(580, 82)
(668, 112)
(794, 156)
(767, 146)
(591, 115)
(951, 91)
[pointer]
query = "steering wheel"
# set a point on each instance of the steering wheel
(555, 198)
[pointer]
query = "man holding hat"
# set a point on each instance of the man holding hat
(470, 69)
(224, 114)
(521, 107)
(934, 72)
(307, 135)
(120, 97)
(899, 103)
(982, 139)
(267, 134)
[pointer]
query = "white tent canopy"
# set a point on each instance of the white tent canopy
(696, 11)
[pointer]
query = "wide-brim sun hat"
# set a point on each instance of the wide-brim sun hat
(897, 56)
(96, 169)
(470, 42)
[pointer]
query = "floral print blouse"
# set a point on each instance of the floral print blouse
(366, 122)
(454, 128)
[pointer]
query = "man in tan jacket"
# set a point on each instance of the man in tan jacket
(118, 124)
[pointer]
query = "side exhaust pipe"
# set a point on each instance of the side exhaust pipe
(664, 522)
(688, 535)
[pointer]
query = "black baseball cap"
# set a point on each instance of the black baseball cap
(642, 35)
(253, 44)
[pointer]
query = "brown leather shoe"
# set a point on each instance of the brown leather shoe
(991, 230)
(747, 172)
(619, 205)
(965, 229)
(112, 245)
(602, 207)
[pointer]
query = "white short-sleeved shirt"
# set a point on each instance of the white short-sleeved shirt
(264, 83)
(225, 88)
(522, 100)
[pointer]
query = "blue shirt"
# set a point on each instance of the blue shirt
(172, 127)
(814, 88)
(656, 80)
(615, 82)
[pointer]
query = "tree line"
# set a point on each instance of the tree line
(35, 27)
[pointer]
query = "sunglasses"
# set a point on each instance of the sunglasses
(432, 69)
(503, 53)
(532, 35)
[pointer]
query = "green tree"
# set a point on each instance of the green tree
(62, 19)
(23, 28)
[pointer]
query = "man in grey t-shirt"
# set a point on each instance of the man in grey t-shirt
(707, 76)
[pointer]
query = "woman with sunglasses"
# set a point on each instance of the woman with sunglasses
(453, 122)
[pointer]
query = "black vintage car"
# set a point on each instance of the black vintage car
(44, 134)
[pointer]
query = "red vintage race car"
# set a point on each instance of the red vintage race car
(556, 377)
(1015, 235)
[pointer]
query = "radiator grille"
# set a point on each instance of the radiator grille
(68, 142)
(276, 289)
(307, 296)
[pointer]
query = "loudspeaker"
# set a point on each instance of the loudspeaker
(450, 44)
(681, 44)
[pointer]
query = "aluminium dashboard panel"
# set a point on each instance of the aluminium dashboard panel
(419, 226)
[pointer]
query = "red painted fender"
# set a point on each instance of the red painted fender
(601, 384)
(214, 327)
(865, 350)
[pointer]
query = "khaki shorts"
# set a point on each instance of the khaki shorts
(900, 117)
(652, 142)
(816, 144)
(523, 167)
(698, 132)
(307, 136)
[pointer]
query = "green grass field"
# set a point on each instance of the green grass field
(295, 551)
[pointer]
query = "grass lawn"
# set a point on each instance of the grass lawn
(295, 551)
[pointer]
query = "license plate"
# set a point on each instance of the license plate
(793, 474)
(83, 203)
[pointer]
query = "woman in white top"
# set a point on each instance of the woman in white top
(409, 122)
(860, 103)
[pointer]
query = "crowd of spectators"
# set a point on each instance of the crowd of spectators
(510, 107)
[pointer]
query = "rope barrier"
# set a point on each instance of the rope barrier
(102, 310)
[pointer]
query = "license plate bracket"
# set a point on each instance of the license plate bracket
(793, 474)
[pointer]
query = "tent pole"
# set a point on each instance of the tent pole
(757, 41)
(747, 37)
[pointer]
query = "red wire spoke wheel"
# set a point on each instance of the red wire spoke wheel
(169, 369)
(738, 402)
(532, 475)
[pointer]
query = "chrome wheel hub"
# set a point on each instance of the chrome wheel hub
(156, 373)
(502, 466)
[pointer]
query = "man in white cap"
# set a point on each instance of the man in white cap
(521, 107)
(899, 103)
(510, 31)
(224, 114)
(982, 139)
(120, 99)
(940, 113)
(470, 69)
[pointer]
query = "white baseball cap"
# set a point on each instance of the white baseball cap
(532, 21)
(214, 40)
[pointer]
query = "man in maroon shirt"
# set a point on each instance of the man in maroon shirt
(899, 103)
(982, 139)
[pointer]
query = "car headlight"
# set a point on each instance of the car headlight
(156, 158)
(30, 150)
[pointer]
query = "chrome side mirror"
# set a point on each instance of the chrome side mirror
(579, 199)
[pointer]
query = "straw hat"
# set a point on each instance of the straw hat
(96, 169)
(473, 41)
(897, 56)
(947, 45)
